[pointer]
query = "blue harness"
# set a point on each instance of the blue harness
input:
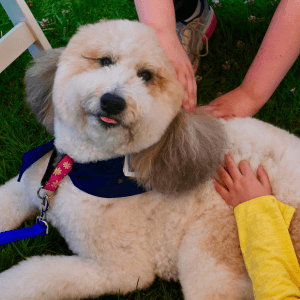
(103, 179)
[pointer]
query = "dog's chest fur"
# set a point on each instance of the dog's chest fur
(112, 228)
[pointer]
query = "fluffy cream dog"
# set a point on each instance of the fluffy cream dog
(181, 228)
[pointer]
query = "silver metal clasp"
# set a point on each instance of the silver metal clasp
(45, 206)
(41, 197)
(47, 226)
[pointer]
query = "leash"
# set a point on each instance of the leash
(58, 167)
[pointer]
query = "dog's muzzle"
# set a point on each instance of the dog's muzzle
(111, 105)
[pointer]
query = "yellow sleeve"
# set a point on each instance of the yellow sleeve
(267, 248)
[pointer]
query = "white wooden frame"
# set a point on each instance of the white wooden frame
(26, 34)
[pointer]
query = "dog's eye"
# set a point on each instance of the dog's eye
(145, 75)
(105, 61)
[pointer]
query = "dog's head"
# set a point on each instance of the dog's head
(112, 79)
(114, 93)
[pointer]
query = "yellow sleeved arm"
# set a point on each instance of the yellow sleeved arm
(267, 248)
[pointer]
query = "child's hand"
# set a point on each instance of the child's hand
(241, 184)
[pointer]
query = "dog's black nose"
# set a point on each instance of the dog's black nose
(112, 104)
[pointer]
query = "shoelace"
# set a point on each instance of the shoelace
(188, 26)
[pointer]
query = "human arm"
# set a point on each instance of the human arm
(160, 16)
(267, 248)
(277, 53)
(263, 224)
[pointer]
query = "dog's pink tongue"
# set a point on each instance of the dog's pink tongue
(108, 120)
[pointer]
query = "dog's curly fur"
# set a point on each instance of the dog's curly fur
(181, 228)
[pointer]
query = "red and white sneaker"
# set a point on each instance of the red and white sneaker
(195, 34)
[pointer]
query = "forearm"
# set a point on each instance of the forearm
(157, 14)
(267, 248)
(277, 53)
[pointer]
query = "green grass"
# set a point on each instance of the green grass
(20, 132)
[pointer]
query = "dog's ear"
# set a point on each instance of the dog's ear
(187, 155)
(39, 80)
